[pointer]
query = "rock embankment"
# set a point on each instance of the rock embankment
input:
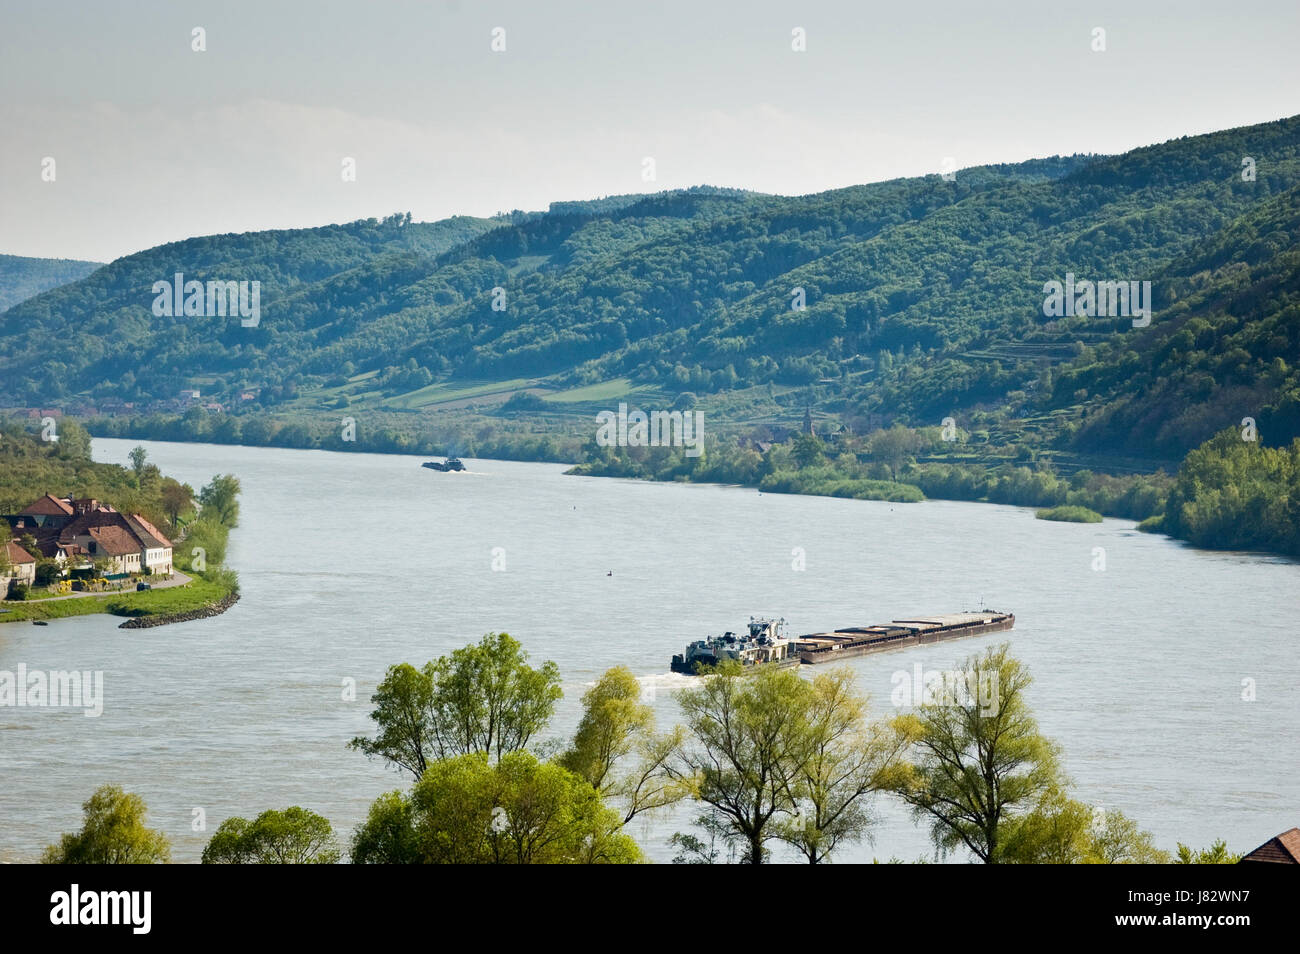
(216, 609)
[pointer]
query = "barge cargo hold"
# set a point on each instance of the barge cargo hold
(914, 631)
(765, 645)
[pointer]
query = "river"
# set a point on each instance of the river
(351, 562)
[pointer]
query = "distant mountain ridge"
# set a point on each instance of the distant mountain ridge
(22, 278)
(910, 300)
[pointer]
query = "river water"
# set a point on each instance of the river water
(351, 562)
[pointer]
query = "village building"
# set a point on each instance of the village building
(79, 531)
(47, 511)
(21, 568)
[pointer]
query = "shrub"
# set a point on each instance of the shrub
(1070, 515)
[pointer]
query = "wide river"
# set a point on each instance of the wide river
(352, 562)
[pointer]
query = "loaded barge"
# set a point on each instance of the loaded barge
(764, 645)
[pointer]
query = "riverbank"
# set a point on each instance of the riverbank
(884, 466)
(164, 619)
(196, 597)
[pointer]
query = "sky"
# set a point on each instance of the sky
(153, 141)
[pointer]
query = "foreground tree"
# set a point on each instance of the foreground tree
(518, 810)
(749, 739)
(617, 750)
(294, 836)
(1116, 839)
(482, 698)
(848, 759)
(387, 836)
(979, 760)
(113, 833)
(403, 713)
(694, 850)
(1216, 854)
(1056, 831)
(1063, 831)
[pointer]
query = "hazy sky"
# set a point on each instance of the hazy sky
(154, 142)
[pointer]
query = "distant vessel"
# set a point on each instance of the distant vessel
(452, 463)
(766, 646)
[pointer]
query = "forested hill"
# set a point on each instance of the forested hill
(22, 278)
(923, 298)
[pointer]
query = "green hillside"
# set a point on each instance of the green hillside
(924, 300)
(22, 278)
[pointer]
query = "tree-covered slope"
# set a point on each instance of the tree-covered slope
(1226, 347)
(22, 278)
(921, 299)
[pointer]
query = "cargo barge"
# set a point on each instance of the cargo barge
(765, 645)
(914, 631)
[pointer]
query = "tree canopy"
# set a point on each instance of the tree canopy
(294, 836)
(483, 698)
(113, 833)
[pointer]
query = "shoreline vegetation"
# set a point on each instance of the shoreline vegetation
(197, 523)
(1067, 514)
(1228, 493)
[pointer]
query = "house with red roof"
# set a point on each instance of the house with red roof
(1283, 849)
(48, 510)
(78, 531)
(20, 567)
(132, 543)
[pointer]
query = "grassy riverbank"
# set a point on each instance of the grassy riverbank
(196, 595)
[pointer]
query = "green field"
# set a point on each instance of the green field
(443, 392)
(613, 390)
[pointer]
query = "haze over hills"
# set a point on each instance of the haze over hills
(924, 299)
(21, 277)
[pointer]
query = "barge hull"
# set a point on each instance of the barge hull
(690, 669)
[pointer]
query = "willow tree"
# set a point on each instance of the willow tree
(749, 739)
(519, 810)
(295, 836)
(847, 760)
(113, 833)
(978, 761)
(481, 698)
(617, 749)
(1064, 831)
